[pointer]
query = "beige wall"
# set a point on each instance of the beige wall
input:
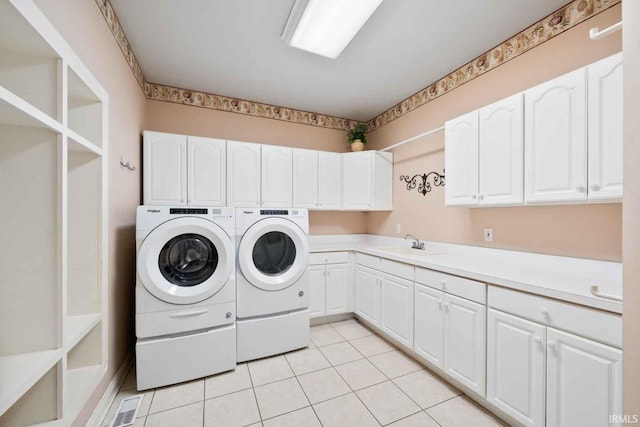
(631, 207)
(592, 231)
(177, 118)
(84, 28)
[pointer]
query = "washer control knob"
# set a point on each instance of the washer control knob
(228, 315)
(301, 293)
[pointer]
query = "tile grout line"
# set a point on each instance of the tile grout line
(304, 392)
(253, 389)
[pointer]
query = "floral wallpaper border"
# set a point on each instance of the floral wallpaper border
(559, 21)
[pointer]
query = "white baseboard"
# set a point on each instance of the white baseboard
(110, 393)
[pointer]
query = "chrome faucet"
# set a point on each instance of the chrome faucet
(417, 244)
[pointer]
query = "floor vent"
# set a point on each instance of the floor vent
(127, 411)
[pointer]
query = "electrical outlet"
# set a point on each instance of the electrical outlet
(488, 234)
(398, 228)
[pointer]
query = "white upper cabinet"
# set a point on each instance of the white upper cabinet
(206, 171)
(305, 178)
(555, 140)
(605, 129)
(367, 180)
(329, 181)
(461, 160)
(516, 367)
(465, 343)
(243, 174)
(584, 381)
(165, 169)
(429, 325)
(277, 164)
(501, 134)
(396, 308)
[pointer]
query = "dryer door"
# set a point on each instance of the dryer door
(273, 254)
(185, 260)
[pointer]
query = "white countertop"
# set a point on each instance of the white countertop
(563, 278)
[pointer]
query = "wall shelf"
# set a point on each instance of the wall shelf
(53, 183)
(19, 372)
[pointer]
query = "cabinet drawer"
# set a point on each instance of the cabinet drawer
(185, 319)
(583, 321)
(399, 269)
(368, 260)
(328, 258)
(465, 288)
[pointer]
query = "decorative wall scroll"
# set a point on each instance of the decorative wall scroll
(422, 181)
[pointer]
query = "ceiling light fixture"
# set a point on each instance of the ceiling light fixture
(326, 27)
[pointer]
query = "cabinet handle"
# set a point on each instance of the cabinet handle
(446, 306)
(188, 313)
(551, 345)
(580, 188)
(544, 311)
(444, 284)
(537, 340)
(481, 196)
(594, 187)
(474, 196)
(440, 305)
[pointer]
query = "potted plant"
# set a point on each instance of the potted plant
(358, 137)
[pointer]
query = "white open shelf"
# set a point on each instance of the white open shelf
(53, 181)
(28, 64)
(18, 373)
(84, 110)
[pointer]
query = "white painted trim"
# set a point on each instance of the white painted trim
(98, 415)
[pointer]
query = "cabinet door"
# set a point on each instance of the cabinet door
(556, 140)
(337, 289)
(277, 172)
(317, 290)
(329, 181)
(305, 179)
(243, 174)
(605, 129)
(501, 157)
(165, 169)
(396, 308)
(584, 381)
(367, 294)
(516, 367)
(357, 184)
(206, 171)
(461, 160)
(464, 342)
(429, 325)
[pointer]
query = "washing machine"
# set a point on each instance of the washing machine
(272, 281)
(185, 294)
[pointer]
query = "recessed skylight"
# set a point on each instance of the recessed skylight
(326, 27)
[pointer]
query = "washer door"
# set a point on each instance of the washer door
(273, 254)
(185, 260)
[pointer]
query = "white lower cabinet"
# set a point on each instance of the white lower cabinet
(450, 333)
(368, 294)
(584, 381)
(317, 295)
(337, 288)
(542, 376)
(516, 367)
(396, 308)
(464, 342)
(429, 325)
(329, 289)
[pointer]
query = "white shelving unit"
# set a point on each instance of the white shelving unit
(53, 189)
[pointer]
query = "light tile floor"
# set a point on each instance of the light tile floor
(347, 377)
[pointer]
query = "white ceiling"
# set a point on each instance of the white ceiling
(233, 48)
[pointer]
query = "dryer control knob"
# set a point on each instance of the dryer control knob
(228, 315)
(301, 293)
